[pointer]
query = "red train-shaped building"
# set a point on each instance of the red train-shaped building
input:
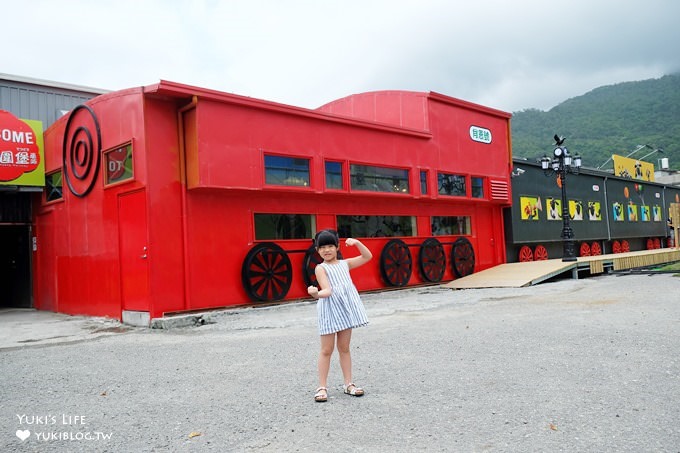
(171, 198)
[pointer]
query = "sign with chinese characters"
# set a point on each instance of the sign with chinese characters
(21, 151)
(479, 134)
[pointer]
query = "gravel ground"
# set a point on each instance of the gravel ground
(571, 365)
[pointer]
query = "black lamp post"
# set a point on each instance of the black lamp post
(561, 164)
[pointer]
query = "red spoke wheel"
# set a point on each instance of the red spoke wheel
(462, 258)
(595, 249)
(432, 260)
(396, 264)
(650, 244)
(657, 243)
(584, 249)
(616, 247)
(266, 273)
(540, 253)
(625, 246)
(525, 254)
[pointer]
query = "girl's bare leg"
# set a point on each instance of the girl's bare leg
(327, 345)
(344, 337)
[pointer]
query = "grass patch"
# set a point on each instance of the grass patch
(671, 267)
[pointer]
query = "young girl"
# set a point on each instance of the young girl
(339, 307)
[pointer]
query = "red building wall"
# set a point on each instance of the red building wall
(175, 235)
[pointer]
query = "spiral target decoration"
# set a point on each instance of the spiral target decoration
(81, 150)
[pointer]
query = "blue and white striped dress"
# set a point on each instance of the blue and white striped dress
(343, 309)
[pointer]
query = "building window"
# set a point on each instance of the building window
(365, 226)
(450, 225)
(283, 226)
(379, 179)
(477, 185)
(554, 208)
(451, 184)
(423, 182)
(286, 171)
(529, 207)
(53, 189)
(334, 175)
(595, 211)
(576, 210)
(118, 163)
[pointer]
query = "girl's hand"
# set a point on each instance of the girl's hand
(357, 261)
(313, 291)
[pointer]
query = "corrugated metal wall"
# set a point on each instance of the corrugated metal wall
(33, 101)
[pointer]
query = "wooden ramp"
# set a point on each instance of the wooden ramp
(516, 275)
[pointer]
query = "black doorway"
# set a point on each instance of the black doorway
(15, 266)
(15, 249)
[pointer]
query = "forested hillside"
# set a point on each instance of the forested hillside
(612, 119)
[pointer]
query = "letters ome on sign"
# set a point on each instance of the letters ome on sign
(21, 160)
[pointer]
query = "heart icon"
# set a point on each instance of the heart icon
(23, 435)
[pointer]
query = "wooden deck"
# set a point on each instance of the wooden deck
(516, 275)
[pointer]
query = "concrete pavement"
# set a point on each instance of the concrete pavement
(20, 327)
(571, 365)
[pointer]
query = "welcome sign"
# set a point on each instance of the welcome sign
(21, 151)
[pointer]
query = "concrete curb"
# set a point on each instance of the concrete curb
(173, 322)
(212, 317)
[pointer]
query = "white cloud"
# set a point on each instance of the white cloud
(507, 55)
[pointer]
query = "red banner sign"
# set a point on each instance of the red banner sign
(19, 151)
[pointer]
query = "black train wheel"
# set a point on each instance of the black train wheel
(432, 260)
(309, 263)
(312, 258)
(462, 257)
(266, 273)
(396, 263)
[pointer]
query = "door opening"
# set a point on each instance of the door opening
(15, 266)
(132, 226)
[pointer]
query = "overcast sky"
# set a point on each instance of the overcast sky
(506, 54)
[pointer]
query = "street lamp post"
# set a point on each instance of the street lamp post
(560, 164)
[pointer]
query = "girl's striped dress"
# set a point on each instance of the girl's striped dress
(343, 309)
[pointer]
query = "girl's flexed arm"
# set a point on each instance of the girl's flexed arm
(357, 261)
(324, 289)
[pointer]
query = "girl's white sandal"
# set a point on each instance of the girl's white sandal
(321, 395)
(351, 389)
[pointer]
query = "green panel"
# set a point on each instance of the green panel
(542, 221)
(635, 208)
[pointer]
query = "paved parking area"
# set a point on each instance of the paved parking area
(571, 365)
(21, 327)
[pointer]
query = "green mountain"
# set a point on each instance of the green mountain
(613, 119)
